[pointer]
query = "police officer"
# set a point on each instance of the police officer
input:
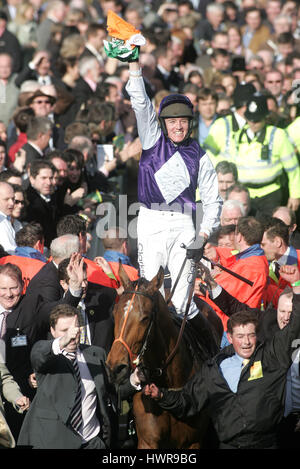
(264, 155)
(219, 144)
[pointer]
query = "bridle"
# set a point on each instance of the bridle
(135, 359)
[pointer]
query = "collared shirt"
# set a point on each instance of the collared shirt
(81, 305)
(248, 34)
(231, 369)
(36, 148)
(240, 120)
(91, 425)
(44, 80)
(281, 261)
(92, 84)
(7, 234)
(46, 198)
(163, 71)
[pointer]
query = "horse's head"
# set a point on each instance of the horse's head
(133, 316)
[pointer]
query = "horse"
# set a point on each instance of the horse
(146, 335)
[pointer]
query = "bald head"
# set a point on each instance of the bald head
(7, 198)
(287, 216)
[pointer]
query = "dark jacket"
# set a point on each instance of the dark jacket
(23, 320)
(249, 417)
(31, 153)
(99, 302)
(46, 423)
(45, 213)
(9, 44)
(268, 324)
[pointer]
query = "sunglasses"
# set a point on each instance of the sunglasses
(40, 101)
(20, 202)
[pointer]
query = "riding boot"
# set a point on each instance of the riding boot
(204, 334)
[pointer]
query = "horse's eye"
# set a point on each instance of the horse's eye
(144, 318)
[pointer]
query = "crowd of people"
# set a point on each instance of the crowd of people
(201, 131)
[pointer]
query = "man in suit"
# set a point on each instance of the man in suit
(39, 69)
(42, 198)
(38, 133)
(90, 74)
(165, 71)
(95, 306)
(72, 406)
(46, 282)
(94, 45)
(19, 329)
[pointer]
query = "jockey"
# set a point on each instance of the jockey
(172, 167)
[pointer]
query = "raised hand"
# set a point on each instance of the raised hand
(75, 271)
(72, 335)
(290, 273)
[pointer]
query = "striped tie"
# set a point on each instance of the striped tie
(76, 413)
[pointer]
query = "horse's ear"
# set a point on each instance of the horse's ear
(125, 280)
(157, 281)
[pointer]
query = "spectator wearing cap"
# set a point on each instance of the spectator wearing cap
(220, 142)
(44, 104)
(263, 154)
(9, 44)
(41, 103)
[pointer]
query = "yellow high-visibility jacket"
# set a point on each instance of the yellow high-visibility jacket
(220, 142)
(262, 160)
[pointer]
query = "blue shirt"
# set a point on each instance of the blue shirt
(231, 369)
(203, 130)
